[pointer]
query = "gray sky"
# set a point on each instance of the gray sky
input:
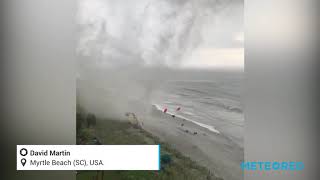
(173, 33)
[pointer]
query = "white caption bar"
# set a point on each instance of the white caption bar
(88, 157)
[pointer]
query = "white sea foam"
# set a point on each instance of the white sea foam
(210, 128)
(188, 113)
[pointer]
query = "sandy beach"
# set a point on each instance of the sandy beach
(211, 149)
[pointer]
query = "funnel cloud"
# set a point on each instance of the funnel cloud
(169, 33)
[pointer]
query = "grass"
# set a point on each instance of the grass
(174, 165)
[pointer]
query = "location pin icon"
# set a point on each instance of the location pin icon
(23, 161)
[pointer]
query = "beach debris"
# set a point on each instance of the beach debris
(178, 109)
(165, 110)
(195, 133)
(187, 131)
(182, 124)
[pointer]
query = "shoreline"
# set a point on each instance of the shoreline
(174, 165)
(215, 151)
(209, 127)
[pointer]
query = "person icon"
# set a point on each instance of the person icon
(23, 152)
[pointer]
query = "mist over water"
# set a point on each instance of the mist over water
(111, 92)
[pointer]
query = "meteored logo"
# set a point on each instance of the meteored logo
(271, 167)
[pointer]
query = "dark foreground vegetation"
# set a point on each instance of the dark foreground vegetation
(174, 165)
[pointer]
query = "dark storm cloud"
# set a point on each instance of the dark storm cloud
(152, 32)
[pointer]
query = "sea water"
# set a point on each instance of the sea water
(209, 99)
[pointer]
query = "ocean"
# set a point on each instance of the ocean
(211, 100)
